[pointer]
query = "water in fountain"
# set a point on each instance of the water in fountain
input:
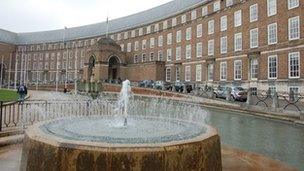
(124, 98)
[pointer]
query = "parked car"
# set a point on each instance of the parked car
(146, 83)
(158, 85)
(221, 92)
(179, 86)
(238, 93)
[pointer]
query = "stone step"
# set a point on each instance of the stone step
(11, 132)
(9, 140)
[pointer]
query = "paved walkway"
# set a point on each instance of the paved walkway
(233, 160)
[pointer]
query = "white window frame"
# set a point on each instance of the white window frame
(216, 6)
(295, 55)
(211, 47)
(271, 8)
(238, 18)
(290, 34)
(178, 36)
(210, 27)
(275, 34)
(204, 10)
(254, 12)
(254, 38)
(169, 54)
(178, 53)
(253, 70)
(199, 49)
(229, 3)
(224, 45)
(210, 72)
(152, 42)
(168, 74)
(188, 51)
(223, 71)
(293, 4)
(169, 38)
(193, 15)
(188, 33)
(224, 23)
(276, 67)
(199, 30)
(198, 72)
(238, 44)
(188, 73)
(183, 18)
(238, 71)
(160, 41)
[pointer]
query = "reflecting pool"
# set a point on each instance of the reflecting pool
(275, 139)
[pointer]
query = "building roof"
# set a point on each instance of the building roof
(98, 29)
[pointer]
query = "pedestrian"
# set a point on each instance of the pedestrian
(22, 91)
(65, 90)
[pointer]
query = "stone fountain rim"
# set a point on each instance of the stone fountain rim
(35, 133)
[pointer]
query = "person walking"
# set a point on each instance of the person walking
(22, 91)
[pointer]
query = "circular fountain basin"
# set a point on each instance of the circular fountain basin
(103, 143)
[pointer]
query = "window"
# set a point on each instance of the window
(294, 65)
(133, 33)
(204, 11)
(152, 56)
(229, 3)
(198, 72)
(199, 30)
(271, 7)
(169, 54)
(148, 30)
(152, 42)
(178, 53)
(136, 46)
(223, 45)
(254, 38)
(223, 71)
(160, 41)
(211, 27)
(238, 70)
(272, 34)
(216, 6)
(188, 33)
(178, 36)
(140, 31)
(168, 74)
(129, 47)
(254, 68)
(125, 35)
(160, 55)
(165, 24)
(254, 14)
(238, 18)
(210, 72)
(169, 39)
(143, 57)
(177, 74)
(272, 67)
(184, 18)
(135, 58)
(187, 73)
(293, 4)
(174, 21)
(211, 47)
(199, 49)
(188, 52)
(193, 15)
(144, 44)
(224, 23)
(238, 42)
(156, 27)
(272, 90)
(294, 28)
(118, 36)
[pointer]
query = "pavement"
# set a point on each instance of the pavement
(232, 160)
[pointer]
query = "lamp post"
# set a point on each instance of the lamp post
(1, 76)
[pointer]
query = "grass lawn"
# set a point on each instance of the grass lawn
(8, 95)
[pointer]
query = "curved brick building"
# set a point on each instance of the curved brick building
(252, 43)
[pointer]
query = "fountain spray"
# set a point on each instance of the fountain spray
(124, 97)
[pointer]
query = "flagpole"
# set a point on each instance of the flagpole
(107, 31)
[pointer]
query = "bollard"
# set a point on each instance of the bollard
(275, 100)
(249, 97)
(173, 88)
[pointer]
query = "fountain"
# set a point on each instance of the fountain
(141, 133)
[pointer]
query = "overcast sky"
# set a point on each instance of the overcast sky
(40, 15)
